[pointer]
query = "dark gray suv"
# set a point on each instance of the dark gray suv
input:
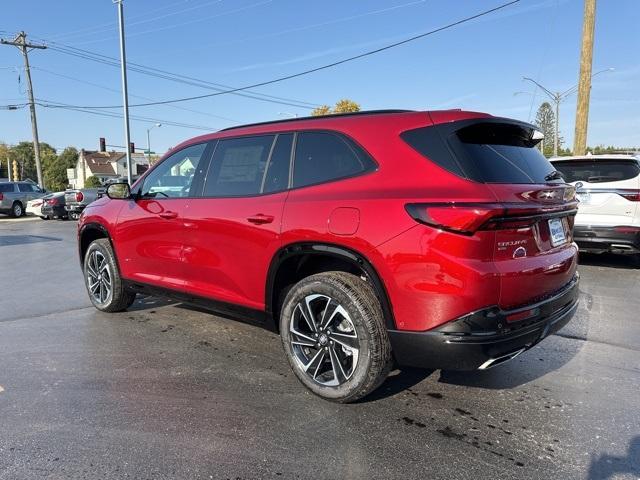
(15, 195)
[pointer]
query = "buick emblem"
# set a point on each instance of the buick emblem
(520, 252)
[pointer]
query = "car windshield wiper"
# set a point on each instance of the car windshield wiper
(555, 175)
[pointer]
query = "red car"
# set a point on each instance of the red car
(435, 239)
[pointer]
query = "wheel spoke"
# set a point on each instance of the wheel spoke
(348, 341)
(319, 354)
(338, 373)
(93, 286)
(310, 324)
(320, 362)
(337, 310)
(307, 302)
(91, 271)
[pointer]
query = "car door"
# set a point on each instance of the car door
(233, 228)
(150, 231)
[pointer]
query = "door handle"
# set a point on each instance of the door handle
(168, 215)
(260, 219)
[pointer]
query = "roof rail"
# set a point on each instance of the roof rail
(319, 117)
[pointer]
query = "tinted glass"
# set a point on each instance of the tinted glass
(25, 187)
(484, 152)
(6, 187)
(238, 166)
(277, 177)
(173, 177)
(597, 171)
(321, 157)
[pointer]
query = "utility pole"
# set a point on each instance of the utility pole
(584, 85)
(21, 42)
(125, 96)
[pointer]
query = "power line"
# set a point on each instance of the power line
(51, 104)
(189, 22)
(174, 77)
(322, 67)
(104, 87)
(107, 26)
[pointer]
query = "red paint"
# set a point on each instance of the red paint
(222, 247)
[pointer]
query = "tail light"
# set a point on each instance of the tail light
(627, 229)
(1, 196)
(52, 201)
(79, 197)
(466, 219)
(631, 195)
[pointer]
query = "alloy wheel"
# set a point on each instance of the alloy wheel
(98, 277)
(324, 340)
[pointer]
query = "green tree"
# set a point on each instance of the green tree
(546, 122)
(55, 169)
(23, 153)
(92, 182)
(6, 158)
(342, 106)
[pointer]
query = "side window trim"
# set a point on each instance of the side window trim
(292, 163)
(266, 168)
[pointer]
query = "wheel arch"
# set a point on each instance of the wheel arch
(89, 233)
(298, 260)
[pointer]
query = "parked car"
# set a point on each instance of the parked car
(608, 187)
(14, 197)
(433, 239)
(77, 200)
(54, 206)
(34, 207)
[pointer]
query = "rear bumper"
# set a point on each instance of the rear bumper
(56, 211)
(74, 208)
(484, 338)
(619, 239)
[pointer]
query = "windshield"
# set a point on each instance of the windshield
(597, 171)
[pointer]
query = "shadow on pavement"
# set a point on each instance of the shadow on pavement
(610, 466)
(147, 302)
(397, 381)
(529, 366)
(610, 260)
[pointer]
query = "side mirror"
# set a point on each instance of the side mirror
(119, 191)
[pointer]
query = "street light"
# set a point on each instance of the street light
(149, 141)
(558, 97)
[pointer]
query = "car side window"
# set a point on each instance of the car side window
(6, 187)
(324, 156)
(25, 187)
(238, 166)
(174, 176)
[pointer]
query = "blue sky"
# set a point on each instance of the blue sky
(476, 66)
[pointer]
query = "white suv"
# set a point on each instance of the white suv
(608, 187)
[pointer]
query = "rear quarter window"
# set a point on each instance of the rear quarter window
(487, 152)
(597, 171)
(326, 156)
(6, 187)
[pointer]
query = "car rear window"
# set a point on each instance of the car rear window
(597, 171)
(6, 187)
(487, 152)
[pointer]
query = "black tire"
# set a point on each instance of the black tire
(44, 217)
(365, 320)
(17, 210)
(118, 298)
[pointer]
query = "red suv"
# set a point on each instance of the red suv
(435, 239)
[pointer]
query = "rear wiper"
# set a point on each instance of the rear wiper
(555, 175)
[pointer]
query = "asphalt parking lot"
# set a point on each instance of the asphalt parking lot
(166, 391)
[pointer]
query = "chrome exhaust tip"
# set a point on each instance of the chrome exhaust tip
(492, 362)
